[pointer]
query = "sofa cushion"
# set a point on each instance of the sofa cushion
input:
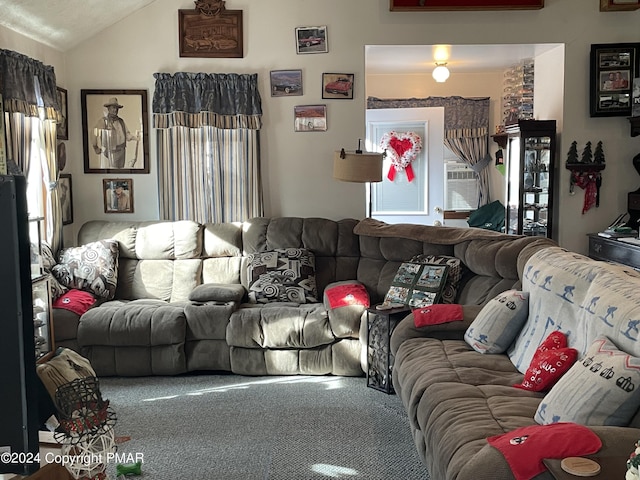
(282, 275)
(499, 322)
(454, 274)
(92, 267)
(602, 389)
(417, 284)
(215, 292)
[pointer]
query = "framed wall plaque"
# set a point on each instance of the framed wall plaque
(418, 5)
(216, 35)
(613, 68)
(619, 5)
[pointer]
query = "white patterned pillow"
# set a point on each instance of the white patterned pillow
(601, 389)
(92, 267)
(499, 322)
(282, 275)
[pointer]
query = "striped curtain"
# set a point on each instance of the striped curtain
(32, 112)
(208, 146)
(466, 127)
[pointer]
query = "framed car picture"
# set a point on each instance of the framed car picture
(311, 40)
(418, 5)
(613, 68)
(286, 83)
(337, 85)
(310, 118)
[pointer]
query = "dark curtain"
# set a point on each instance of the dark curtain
(221, 100)
(21, 79)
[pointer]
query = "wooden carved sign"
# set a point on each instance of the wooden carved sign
(210, 31)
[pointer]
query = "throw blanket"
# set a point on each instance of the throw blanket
(370, 227)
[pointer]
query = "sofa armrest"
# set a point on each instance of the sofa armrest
(406, 328)
(217, 292)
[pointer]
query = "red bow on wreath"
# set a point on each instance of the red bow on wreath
(402, 149)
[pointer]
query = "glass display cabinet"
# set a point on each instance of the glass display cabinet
(40, 293)
(531, 162)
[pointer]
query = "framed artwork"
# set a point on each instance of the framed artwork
(310, 118)
(619, 5)
(62, 132)
(286, 83)
(210, 35)
(115, 126)
(66, 198)
(418, 5)
(118, 195)
(337, 85)
(613, 68)
(61, 152)
(311, 40)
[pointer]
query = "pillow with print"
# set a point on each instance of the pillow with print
(499, 322)
(282, 275)
(601, 389)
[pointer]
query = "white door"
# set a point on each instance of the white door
(402, 200)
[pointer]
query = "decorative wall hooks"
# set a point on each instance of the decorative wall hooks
(586, 172)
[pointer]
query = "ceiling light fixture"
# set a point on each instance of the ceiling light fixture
(441, 72)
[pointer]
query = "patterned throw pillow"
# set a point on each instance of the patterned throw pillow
(417, 284)
(92, 267)
(499, 322)
(282, 275)
(601, 389)
(48, 262)
(552, 360)
(454, 274)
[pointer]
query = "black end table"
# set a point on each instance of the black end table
(380, 325)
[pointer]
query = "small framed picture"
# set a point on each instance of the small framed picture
(311, 40)
(337, 85)
(613, 68)
(62, 132)
(66, 198)
(286, 83)
(310, 118)
(118, 195)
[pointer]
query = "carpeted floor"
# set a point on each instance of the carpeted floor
(228, 427)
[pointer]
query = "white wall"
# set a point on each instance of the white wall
(297, 166)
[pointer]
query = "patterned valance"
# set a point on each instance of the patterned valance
(463, 117)
(194, 100)
(21, 78)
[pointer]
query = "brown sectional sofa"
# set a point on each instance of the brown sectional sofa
(181, 304)
(456, 397)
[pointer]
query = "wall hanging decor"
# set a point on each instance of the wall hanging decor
(310, 118)
(62, 132)
(402, 149)
(66, 198)
(417, 5)
(114, 131)
(118, 195)
(337, 85)
(586, 172)
(210, 30)
(286, 83)
(311, 40)
(613, 68)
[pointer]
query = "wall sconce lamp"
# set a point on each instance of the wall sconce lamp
(441, 72)
(358, 167)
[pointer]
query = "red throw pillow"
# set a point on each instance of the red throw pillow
(77, 301)
(553, 341)
(437, 314)
(547, 367)
(349, 294)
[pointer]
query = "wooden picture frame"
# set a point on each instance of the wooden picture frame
(211, 36)
(311, 40)
(619, 5)
(337, 86)
(62, 132)
(310, 118)
(286, 83)
(66, 198)
(612, 69)
(117, 194)
(100, 131)
(447, 5)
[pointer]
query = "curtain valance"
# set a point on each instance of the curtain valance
(194, 100)
(21, 78)
(463, 117)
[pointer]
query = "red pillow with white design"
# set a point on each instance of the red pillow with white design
(552, 360)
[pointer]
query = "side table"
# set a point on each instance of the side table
(380, 325)
(612, 468)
